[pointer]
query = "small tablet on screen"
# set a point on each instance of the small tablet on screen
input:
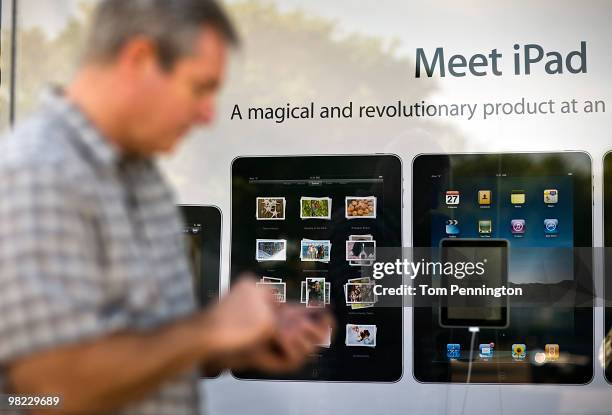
(469, 302)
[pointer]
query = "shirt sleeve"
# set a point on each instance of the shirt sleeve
(51, 271)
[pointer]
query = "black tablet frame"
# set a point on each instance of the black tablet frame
(313, 167)
(210, 218)
(423, 167)
(607, 255)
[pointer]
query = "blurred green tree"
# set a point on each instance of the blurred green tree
(287, 56)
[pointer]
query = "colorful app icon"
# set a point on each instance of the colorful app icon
(485, 226)
(452, 227)
(551, 226)
(552, 352)
(518, 226)
(551, 196)
(519, 351)
(452, 197)
(453, 351)
(486, 350)
(484, 197)
(517, 197)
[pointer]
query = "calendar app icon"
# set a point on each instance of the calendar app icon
(452, 197)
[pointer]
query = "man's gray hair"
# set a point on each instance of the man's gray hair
(173, 25)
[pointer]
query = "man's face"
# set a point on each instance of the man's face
(166, 104)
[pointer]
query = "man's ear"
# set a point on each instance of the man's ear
(139, 55)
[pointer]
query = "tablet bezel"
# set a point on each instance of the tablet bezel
(210, 217)
(304, 166)
(426, 164)
(607, 243)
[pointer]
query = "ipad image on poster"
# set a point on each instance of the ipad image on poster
(203, 241)
(482, 311)
(202, 230)
(318, 204)
(607, 224)
(541, 204)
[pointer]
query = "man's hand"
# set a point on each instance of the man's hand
(301, 332)
(242, 319)
(298, 332)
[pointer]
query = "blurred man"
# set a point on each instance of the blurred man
(96, 302)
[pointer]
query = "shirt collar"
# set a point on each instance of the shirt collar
(100, 147)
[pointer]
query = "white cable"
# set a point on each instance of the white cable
(472, 330)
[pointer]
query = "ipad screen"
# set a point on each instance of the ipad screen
(541, 205)
(310, 228)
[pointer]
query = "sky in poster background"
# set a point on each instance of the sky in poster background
(362, 51)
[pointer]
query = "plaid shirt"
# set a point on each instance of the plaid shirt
(90, 244)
